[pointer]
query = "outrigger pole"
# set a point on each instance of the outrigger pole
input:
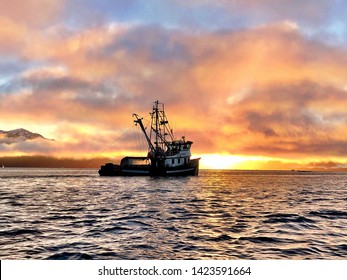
(139, 121)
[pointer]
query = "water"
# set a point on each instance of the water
(75, 214)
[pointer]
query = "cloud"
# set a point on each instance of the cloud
(12, 35)
(52, 162)
(21, 24)
(31, 12)
(269, 10)
(323, 20)
(210, 15)
(267, 90)
(294, 118)
(328, 165)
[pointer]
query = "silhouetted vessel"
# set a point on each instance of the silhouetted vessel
(166, 156)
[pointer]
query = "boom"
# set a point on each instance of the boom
(139, 121)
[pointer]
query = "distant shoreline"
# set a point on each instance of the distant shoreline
(40, 161)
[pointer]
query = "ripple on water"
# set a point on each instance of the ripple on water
(218, 214)
(20, 231)
(265, 239)
(70, 256)
(329, 214)
(287, 218)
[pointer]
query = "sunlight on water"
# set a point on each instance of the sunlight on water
(75, 214)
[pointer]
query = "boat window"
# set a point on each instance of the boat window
(173, 161)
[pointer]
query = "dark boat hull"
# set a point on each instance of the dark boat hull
(110, 169)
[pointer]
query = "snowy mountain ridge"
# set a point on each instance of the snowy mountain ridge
(18, 135)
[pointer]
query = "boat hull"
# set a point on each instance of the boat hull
(110, 169)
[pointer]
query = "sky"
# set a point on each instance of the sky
(254, 84)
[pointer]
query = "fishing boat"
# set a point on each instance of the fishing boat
(166, 155)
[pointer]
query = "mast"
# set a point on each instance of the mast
(156, 124)
(160, 127)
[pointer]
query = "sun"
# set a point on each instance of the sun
(220, 161)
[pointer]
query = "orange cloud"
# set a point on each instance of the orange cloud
(12, 35)
(266, 91)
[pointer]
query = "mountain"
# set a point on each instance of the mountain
(18, 135)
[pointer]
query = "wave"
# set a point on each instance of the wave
(116, 229)
(287, 218)
(15, 232)
(329, 214)
(222, 237)
(70, 256)
(264, 239)
(60, 217)
(212, 216)
(300, 252)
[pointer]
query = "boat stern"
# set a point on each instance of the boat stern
(109, 169)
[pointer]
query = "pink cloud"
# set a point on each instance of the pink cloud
(31, 12)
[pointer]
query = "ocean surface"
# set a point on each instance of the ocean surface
(75, 214)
